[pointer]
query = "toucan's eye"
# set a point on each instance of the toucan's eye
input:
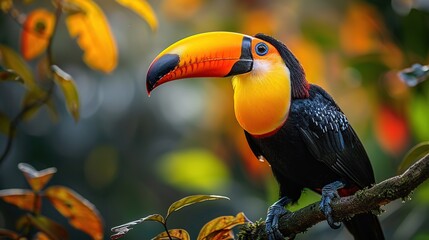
(261, 49)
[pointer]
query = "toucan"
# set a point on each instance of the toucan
(296, 126)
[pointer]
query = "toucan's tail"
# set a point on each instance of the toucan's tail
(365, 226)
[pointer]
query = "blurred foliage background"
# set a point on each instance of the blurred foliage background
(132, 155)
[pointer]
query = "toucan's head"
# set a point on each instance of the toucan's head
(265, 74)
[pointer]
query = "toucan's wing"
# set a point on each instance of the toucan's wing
(331, 140)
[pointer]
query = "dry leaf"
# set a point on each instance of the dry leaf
(221, 226)
(21, 198)
(80, 212)
(174, 233)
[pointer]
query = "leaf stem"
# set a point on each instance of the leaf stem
(17, 120)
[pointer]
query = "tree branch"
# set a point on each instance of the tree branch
(370, 199)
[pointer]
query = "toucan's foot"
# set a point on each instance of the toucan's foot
(329, 192)
(272, 222)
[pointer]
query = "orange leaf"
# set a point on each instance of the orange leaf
(36, 179)
(21, 198)
(143, 9)
(221, 235)
(38, 28)
(80, 212)
(221, 226)
(93, 34)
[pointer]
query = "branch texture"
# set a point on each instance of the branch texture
(370, 199)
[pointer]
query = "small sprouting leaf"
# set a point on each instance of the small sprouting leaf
(93, 34)
(22, 198)
(143, 9)
(180, 234)
(121, 230)
(414, 75)
(221, 226)
(52, 229)
(12, 60)
(186, 201)
(154, 217)
(9, 75)
(38, 28)
(80, 212)
(413, 155)
(69, 89)
(36, 179)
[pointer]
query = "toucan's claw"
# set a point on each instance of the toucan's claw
(329, 192)
(275, 211)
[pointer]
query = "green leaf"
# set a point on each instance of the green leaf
(415, 154)
(13, 60)
(221, 225)
(186, 201)
(68, 87)
(52, 229)
(9, 75)
(181, 234)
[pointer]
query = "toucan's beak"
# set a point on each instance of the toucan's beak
(214, 54)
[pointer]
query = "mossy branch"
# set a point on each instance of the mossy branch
(370, 199)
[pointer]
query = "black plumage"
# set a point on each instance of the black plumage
(316, 146)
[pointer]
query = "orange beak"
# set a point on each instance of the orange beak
(214, 54)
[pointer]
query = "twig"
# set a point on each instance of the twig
(370, 199)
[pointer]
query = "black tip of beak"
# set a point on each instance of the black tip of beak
(159, 69)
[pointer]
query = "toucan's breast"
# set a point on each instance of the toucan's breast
(262, 97)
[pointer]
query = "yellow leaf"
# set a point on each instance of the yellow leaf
(68, 87)
(174, 233)
(38, 28)
(221, 226)
(21, 198)
(143, 9)
(36, 179)
(80, 212)
(93, 34)
(186, 201)
(12, 60)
